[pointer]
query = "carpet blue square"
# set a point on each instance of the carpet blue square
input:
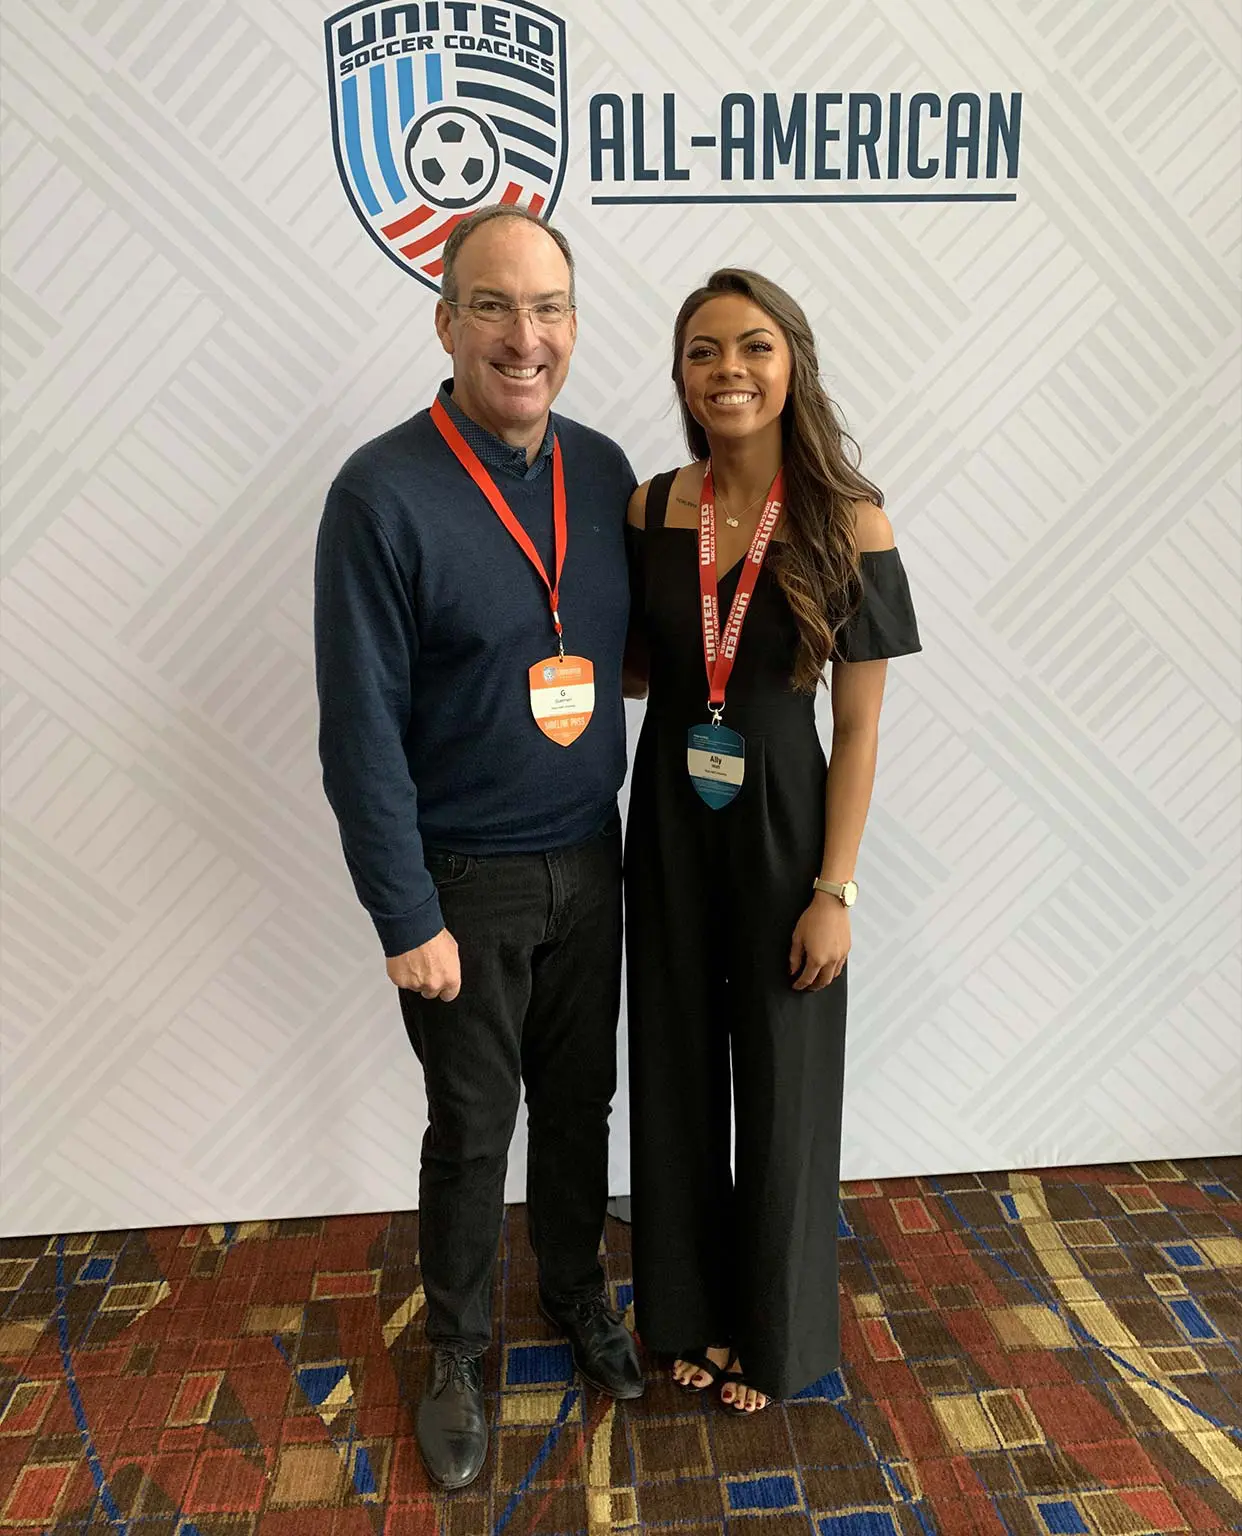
(96, 1269)
(831, 1386)
(538, 1365)
(363, 1472)
(1191, 1319)
(764, 1493)
(625, 1295)
(1217, 1191)
(1062, 1518)
(1184, 1256)
(867, 1522)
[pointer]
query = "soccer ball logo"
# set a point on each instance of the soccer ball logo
(452, 157)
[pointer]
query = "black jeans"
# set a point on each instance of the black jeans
(540, 943)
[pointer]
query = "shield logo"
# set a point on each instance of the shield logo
(439, 108)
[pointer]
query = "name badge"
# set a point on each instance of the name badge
(562, 697)
(716, 758)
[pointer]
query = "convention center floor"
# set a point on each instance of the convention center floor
(1025, 1354)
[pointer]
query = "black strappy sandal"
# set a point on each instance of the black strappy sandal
(700, 1360)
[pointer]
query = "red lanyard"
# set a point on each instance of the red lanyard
(469, 461)
(720, 650)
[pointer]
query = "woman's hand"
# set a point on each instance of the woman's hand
(821, 942)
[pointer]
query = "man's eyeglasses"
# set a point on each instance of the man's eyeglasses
(545, 316)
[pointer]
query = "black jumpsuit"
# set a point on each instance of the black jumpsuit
(712, 900)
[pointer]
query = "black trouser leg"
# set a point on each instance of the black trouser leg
(569, 1064)
(529, 928)
(684, 1243)
(788, 1069)
(470, 1050)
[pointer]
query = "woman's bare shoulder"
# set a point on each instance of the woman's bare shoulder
(684, 479)
(636, 512)
(872, 529)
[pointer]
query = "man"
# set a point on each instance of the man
(470, 577)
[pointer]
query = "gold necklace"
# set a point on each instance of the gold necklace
(733, 521)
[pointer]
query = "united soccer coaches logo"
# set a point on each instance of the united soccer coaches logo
(438, 108)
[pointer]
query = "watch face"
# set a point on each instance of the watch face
(849, 893)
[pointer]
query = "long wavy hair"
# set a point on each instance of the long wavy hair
(817, 564)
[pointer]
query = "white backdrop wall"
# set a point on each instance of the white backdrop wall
(199, 329)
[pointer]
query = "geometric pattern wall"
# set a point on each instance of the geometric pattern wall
(196, 1021)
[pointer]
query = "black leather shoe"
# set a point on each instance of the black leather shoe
(602, 1346)
(451, 1425)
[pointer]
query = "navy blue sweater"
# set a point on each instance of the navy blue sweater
(427, 616)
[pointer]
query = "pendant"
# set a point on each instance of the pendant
(732, 521)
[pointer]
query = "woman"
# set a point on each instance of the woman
(736, 957)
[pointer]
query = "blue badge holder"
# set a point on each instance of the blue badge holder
(716, 758)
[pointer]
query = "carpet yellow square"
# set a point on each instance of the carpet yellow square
(965, 1424)
(1030, 1328)
(1223, 1252)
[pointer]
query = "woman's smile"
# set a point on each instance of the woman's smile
(732, 397)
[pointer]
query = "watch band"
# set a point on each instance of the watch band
(846, 891)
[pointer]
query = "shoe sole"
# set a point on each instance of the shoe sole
(621, 1397)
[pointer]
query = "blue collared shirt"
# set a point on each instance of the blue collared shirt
(492, 450)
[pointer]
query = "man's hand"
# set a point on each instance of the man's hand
(432, 970)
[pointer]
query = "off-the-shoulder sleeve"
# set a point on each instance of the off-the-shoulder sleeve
(884, 624)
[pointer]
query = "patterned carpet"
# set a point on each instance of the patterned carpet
(1026, 1355)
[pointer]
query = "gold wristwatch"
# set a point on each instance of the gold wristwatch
(845, 891)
